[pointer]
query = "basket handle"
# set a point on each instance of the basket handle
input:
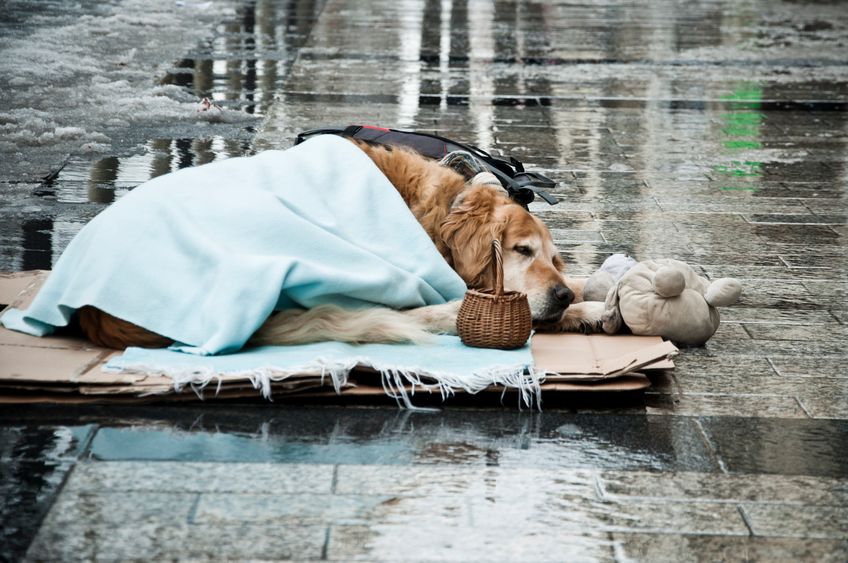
(497, 267)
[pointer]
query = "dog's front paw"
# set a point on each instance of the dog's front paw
(585, 317)
(591, 327)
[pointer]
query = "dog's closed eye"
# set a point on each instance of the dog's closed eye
(522, 249)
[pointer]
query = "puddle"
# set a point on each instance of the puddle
(107, 179)
(244, 65)
(34, 461)
(50, 443)
(449, 63)
(241, 68)
(245, 84)
(386, 436)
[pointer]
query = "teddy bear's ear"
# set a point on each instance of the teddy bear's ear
(611, 319)
(669, 282)
(723, 292)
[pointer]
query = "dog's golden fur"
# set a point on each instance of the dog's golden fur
(462, 220)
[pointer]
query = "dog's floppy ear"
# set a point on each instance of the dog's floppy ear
(468, 231)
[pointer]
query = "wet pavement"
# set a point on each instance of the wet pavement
(712, 132)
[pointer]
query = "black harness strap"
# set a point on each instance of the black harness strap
(521, 185)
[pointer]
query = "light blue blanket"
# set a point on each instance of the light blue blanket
(443, 366)
(204, 255)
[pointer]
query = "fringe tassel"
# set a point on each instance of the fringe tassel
(395, 380)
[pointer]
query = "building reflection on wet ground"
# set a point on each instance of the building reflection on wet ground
(712, 132)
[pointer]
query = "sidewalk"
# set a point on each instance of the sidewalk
(710, 132)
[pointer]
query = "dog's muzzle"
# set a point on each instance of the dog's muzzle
(557, 299)
(563, 295)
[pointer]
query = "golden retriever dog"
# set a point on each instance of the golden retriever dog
(462, 219)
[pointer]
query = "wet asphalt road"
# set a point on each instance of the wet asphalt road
(712, 132)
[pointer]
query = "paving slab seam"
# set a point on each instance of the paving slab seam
(746, 518)
(599, 486)
(335, 480)
(674, 532)
(325, 547)
(803, 407)
(836, 318)
(192, 511)
(711, 501)
(712, 394)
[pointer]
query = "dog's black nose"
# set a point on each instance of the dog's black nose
(563, 295)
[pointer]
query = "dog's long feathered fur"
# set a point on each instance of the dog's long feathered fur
(330, 322)
(461, 221)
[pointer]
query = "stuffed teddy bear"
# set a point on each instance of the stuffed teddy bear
(660, 297)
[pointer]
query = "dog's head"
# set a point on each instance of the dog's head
(531, 262)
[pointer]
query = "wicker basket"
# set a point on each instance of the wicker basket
(492, 318)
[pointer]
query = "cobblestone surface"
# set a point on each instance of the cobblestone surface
(709, 131)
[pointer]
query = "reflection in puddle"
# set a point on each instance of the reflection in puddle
(105, 181)
(109, 178)
(409, 37)
(34, 462)
(241, 68)
(741, 132)
(385, 436)
(244, 65)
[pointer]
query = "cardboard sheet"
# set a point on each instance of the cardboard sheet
(64, 369)
(599, 356)
(19, 284)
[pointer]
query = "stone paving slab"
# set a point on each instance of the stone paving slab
(718, 404)
(719, 487)
(187, 477)
(111, 541)
(351, 516)
(829, 407)
(779, 446)
(675, 548)
(425, 481)
(430, 542)
(753, 386)
(826, 522)
(324, 510)
(27, 443)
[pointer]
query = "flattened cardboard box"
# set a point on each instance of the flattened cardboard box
(67, 369)
(592, 357)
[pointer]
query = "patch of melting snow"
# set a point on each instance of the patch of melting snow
(28, 128)
(72, 77)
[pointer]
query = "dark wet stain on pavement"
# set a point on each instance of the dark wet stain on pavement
(388, 437)
(34, 461)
